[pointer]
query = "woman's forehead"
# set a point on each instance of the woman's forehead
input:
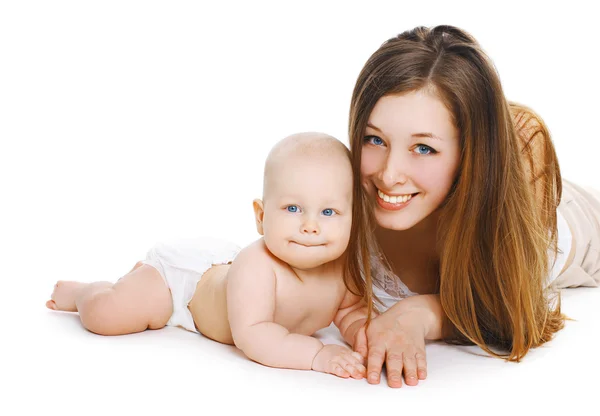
(416, 113)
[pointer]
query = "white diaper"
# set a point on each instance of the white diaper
(182, 263)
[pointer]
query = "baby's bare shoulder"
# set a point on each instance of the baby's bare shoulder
(254, 257)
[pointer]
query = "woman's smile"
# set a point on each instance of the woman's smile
(410, 149)
(394, 202)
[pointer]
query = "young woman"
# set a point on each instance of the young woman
(473, 227)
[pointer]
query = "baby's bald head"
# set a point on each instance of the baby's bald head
(305, 216)
(304, 148)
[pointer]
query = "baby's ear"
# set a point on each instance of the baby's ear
(259, 213)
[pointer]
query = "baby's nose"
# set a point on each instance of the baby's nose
(310, 227)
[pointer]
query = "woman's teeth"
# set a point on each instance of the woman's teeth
(394, 199)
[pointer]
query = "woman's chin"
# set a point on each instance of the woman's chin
(396, 221)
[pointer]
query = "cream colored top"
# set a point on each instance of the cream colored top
(389, 288)
(536, 152)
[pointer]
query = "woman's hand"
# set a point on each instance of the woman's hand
(397, 337)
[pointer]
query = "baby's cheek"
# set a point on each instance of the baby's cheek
(343, 238)
(273, 240)
(346, 231)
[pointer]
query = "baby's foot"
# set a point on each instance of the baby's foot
(63, 297)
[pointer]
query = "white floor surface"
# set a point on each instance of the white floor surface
(53, 365)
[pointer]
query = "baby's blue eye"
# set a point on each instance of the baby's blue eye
(292, 208)
(328, 212)
(424, 150)
(377, 141)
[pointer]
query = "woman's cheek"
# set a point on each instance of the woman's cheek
(368, 168)
(366, 162)
(439, 180)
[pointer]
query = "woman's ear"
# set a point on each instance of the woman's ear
(259, 213)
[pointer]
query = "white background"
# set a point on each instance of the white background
(126, 122)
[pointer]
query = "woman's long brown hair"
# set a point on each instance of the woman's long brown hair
(495, 235)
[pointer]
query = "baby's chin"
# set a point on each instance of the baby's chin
(306, 266)
(305, 258)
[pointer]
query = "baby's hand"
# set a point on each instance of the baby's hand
(340, 361)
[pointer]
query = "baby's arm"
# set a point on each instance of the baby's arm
(251, 308)
(351, 316)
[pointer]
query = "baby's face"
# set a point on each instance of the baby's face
(308, 211)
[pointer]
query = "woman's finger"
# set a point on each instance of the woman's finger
(410, 369)
(360, 342)
(394, 365)
(421, 365)
(375, 363)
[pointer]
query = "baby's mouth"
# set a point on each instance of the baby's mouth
(307, 245)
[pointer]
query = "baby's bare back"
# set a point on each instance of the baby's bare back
(301, 306)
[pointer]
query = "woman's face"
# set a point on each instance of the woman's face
(410, 156)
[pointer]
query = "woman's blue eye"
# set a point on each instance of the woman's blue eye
(377, 141)
(292, 208)
(328, 212)
(424, 150)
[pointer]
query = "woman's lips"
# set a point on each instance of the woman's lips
(388, 206)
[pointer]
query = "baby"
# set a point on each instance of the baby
(268, 298)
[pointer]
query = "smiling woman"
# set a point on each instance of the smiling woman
(128, 122)
(463, 189)
(410, 136)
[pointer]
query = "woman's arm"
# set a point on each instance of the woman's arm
(397, 337)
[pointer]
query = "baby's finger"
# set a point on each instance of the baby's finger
(357, 374)
(338, 370)
(355, 367)
(359, 358)
(354, 370)
(351, 365)
(361, 369)
(357, 361)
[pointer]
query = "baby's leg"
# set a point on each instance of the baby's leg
(63, 297)
(138, 301)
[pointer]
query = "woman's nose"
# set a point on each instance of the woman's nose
(394, 171)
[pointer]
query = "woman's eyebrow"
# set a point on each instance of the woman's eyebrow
(373, 127)
(415, 135)
(429, 135)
